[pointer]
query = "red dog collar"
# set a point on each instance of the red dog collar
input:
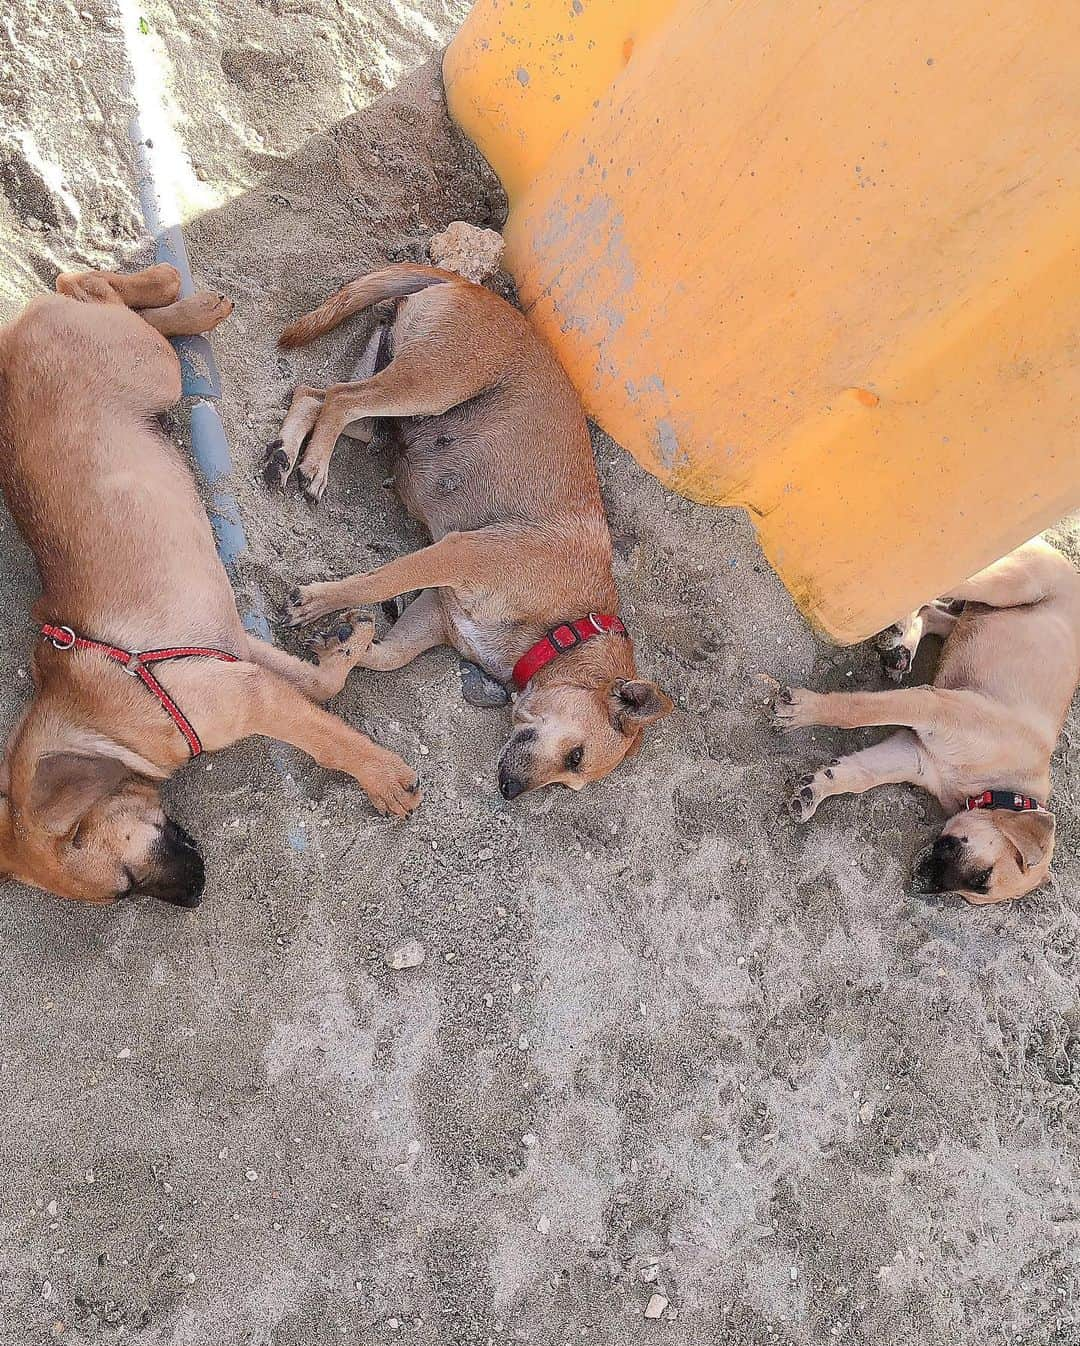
(1004, 799)
(64, 638)
(560, 639)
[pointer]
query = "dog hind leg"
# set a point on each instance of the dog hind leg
(427, 377)
(151, 288)
(900, 643)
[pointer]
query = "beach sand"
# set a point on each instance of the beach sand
(664, 1041)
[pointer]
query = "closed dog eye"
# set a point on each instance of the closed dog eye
(573, 759)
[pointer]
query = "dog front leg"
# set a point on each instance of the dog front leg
(895, 761)
(485, 556)
(276, 709)
(282, 453)
(914, 707)
(318, 677)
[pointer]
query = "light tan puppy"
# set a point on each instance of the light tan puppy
(980, 739)
(127, 561)
(495, 460)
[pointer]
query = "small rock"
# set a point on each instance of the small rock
(649, 1273)
(51, 1209)
(528, 1140)
(866, 1112)
(656, 1306)
(479, 689)
(543, 1225)
(123, 1054)
(409, 953)
(251, 1175)
(471, 252)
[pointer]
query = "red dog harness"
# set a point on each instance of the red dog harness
(560, 639)
(64, 638)
(1004, 799)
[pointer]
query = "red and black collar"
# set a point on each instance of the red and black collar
(1004, 799)
(562, 638)
(136, 664)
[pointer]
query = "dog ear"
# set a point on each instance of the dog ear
(635, 747)
(1032, 835)
(67, 784)
(639, 703)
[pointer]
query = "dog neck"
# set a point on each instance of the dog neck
(595, 663)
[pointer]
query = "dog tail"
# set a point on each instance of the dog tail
(393, 282)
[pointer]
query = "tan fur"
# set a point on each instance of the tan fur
(126, 555)
(494, 458)
(1007, 673)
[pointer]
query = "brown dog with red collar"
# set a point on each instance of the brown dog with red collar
(980, 739)
(495, 460)
(128, 563)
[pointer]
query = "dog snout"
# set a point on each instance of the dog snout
(179, 875)
(937, 869)
(515, 764)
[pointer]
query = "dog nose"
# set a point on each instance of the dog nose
(510, 787)
(181, 873)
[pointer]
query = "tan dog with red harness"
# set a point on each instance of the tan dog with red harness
(128, 563)
(495, 460)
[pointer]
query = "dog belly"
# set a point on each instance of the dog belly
(439, 476)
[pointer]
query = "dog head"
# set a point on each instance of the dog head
(88, 828)
(570, 733)
(989, 855)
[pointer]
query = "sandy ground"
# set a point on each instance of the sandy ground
(663, 1039)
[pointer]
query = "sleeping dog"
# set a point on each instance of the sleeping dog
(495, 460)
(980, 739)
(142, 660)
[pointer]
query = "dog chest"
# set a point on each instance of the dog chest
(476, 640)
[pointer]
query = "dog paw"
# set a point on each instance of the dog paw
(313, 480)
(391, 784)
(793, 708)
(350, 636)
(276, 466)
(308, 602)
(197, 313)
(897, 662)
(804, 799)
(895, 653)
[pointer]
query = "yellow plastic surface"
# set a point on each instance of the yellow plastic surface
(818, 260)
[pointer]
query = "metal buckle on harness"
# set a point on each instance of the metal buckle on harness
(564, 642)
(594, 622)
(131, 668)
(70, 642)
